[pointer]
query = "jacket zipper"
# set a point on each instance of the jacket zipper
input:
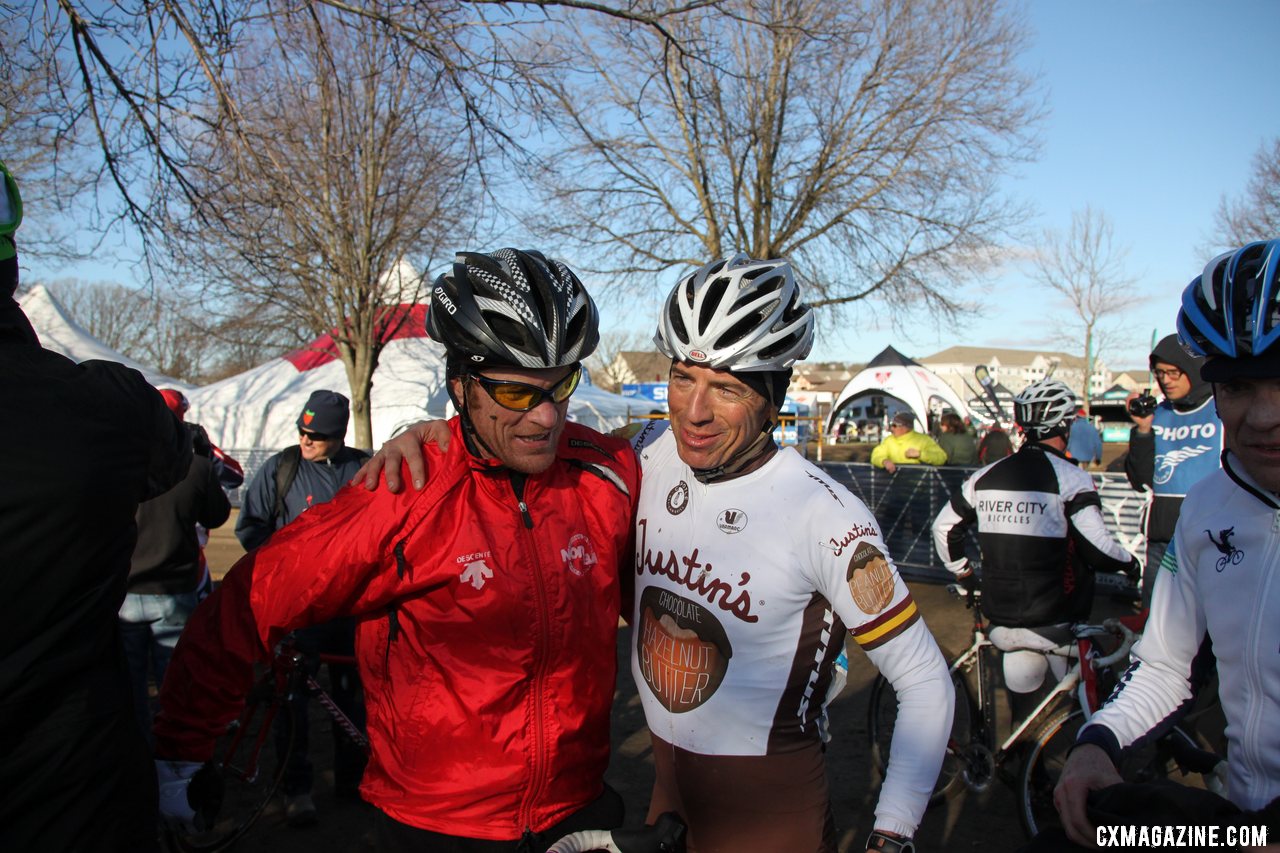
(542, 643)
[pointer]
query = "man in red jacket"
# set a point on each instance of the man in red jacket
(486, 604)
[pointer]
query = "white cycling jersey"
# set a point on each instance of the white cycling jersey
(744, 591)
(1220, 577)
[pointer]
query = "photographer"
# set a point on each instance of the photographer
(1172, 445)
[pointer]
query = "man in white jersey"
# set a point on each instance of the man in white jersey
(1219, 581)
(751, 564)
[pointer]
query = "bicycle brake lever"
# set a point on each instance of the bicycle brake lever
(666, 835)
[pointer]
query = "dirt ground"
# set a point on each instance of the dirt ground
(968, 822)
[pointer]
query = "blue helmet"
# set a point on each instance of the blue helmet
(1231, 312)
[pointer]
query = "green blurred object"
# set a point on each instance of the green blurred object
(10, 214)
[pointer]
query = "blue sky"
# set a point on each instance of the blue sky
(1155, 111)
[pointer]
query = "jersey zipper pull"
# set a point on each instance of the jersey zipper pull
(517, 486)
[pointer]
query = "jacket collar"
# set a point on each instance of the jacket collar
(1242, 479)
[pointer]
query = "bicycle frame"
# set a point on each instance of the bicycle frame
(1077, 676)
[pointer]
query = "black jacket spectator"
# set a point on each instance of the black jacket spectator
(86, 443)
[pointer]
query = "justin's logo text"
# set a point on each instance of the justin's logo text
(1231, 555)
(732, 521)
(678, 498)
(694, 576)
(855, 533)
(580, 555)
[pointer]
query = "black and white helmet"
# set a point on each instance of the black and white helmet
(512, 308)
(1045, 408)
(739, 314)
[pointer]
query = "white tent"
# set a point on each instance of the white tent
(58, 332)
(259, 408)
(892, 376)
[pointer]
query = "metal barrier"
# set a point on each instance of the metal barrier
(906, 502)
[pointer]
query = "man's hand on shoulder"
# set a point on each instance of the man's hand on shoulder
(406, 447)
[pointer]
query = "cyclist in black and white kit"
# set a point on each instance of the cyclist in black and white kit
(1042, 536)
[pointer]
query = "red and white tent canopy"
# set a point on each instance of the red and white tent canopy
(259, 408)
(914, 386)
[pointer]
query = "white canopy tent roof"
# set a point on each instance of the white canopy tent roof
(892, 375)
(59, 333)
(259, 408)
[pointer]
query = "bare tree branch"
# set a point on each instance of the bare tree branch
(861, 140)
(1255, 214)
(1086, 269)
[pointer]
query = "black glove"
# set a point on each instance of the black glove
(1134, 569)
(969, 582)
(200, 441)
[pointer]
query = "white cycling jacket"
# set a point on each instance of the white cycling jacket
(1220, 577)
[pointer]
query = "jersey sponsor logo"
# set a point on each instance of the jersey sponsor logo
(870, 579)
(682, 649)
(476, 572)
(642, 437)
(732, 521)
(445, 301)
(1231, 555)
(579, 555)
(826, 486)
(1020, 513)
(858, 531)
(688, 571)
(591, 445)
(678, 498)
(874, 634)
(1167, 463)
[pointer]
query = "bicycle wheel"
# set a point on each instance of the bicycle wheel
(882, 715)
(1147, 763)
(249, 762)
(1043, 766)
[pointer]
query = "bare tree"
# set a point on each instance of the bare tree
(135, 77)
(863, 140)
(1085, 268)
(1255, 215)
(329, 174)
(150, 328)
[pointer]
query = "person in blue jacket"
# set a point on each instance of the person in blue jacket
(1173, 448)
(1084, 444)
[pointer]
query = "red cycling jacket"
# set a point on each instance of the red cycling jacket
(486, 634)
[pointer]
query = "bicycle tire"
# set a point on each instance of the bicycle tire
(882, 714)
(251, 767)
(1147, 763)
(1041, 769)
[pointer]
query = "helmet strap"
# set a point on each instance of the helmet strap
(750, 458)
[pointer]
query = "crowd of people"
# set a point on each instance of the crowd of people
(482, 602)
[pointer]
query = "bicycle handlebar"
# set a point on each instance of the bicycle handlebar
(1127, 639)
(666, 835)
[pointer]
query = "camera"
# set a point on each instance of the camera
(1144, 405)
